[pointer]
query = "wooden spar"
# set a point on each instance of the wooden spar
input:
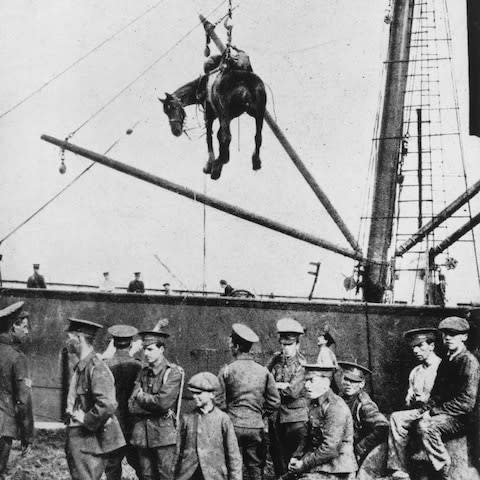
(386, 168)
(210, 29)
(201, 198)
(451, 239)
(446, 213)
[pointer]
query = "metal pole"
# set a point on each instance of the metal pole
(420, 167)
(446, 213)
(201, 198)
(210, 29)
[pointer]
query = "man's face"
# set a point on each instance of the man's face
(321, 340)
(21, 330)
(453, 340)
(202, 399)
(316, 386)
(289, 349)
(351, 387)
(73, 343)
(422, 350)
(153, 353)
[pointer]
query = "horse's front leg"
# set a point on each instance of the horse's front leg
(211, 155)
(224, 138)
(256, 162)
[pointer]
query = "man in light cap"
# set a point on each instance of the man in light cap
(248, 394)
(453, 397)
(208, 447)
(288, 426)
(370, 427)
(154, 403)
(93, 430)
(125, 370)
(36, 280)
(420, 384)
(16, 417)
(327, 451)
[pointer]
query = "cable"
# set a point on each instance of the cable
(76, 62)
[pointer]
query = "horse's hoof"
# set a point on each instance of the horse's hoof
(215, 175)
(207, 169)
(257, 166)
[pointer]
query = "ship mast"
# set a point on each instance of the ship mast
(386, 169)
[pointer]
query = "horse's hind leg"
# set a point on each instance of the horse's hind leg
(224, 139)
(211, 156)
(256, 162)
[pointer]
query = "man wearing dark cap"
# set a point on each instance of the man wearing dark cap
(327, 451)
(420, 384)
(227, 288)
(288, 426)
(370, 427)
(453, 397)
(154, 404)
(248, 394)
(208, 447)
(125, 370)
(93, 430)
(136, 285)
(16, 417)
(36, 280)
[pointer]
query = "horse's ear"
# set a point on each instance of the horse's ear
(162, 99)
(168, 95)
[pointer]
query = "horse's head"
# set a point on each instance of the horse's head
(175, 112)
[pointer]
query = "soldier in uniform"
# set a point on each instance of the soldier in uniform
(136, 285)
(370, 427)
(154, 406)
(36, 280)
(208, 445)
(288, 426)
(93, 430)
(16, 418)
(248, 394)
(327, 451)
(125, 370)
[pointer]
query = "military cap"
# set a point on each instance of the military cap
(83, 326)
(137, 273)
(353, 371)
(244, 333)
(289, 326)
(15, 309)
(417, 336)
(314, 369)
(203, 382)
(165, 284)
(36, 266)
(106, 273)
(150, 337)
(454, 324)
(122, 331)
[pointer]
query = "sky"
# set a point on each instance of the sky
(322, 63)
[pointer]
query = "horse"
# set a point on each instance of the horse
(225, 95)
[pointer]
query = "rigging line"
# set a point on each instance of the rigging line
(145, 71)
(204, 280)
(76, 62)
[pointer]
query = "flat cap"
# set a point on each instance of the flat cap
(204, 382)
(244, 333)
(122, 331)
(137, 273)
(152, 336)
(36, 265)
(83, 326)
(454, 324)
(13, 310)
(289, 326)
(314, 369)
(417, 336)
(354, 372)
(165, 284)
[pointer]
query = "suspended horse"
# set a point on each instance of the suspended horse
(225, 94)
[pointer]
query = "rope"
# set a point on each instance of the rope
(144, 72)
(76, 62)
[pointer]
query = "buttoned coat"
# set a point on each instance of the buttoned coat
(208, 440)
(154, 422)
(136, 286)
(16, 417)
(328, 446)
(95, 396)
(293, 402)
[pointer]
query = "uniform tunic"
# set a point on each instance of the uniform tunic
(136, 286)
(36, 281)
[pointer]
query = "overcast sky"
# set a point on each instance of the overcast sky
(322, 62)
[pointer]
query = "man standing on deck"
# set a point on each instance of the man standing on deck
(36, 280)
(92, 427)
(154, 404)
(370, 427)
(125, 370)
(420, 384)
(136, 285)
(248, 394)
(16, 417)
(288, 426)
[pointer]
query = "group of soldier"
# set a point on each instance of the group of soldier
(118, 407)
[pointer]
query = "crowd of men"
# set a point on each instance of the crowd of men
(118, 407)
